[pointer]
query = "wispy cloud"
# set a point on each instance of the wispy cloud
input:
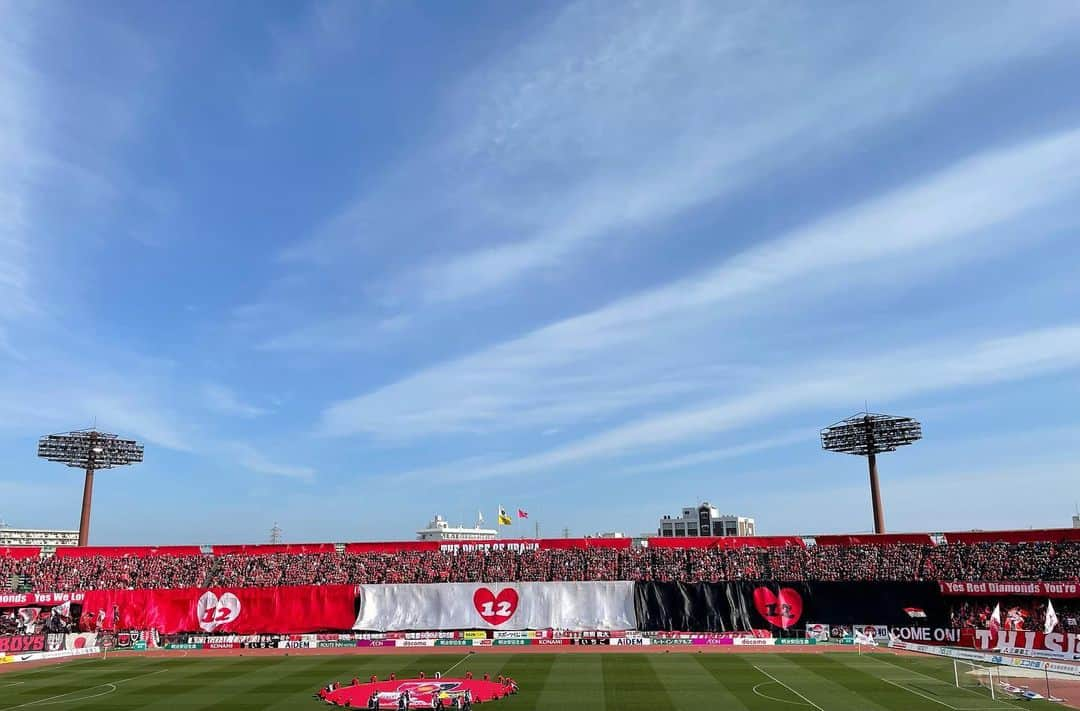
(609, 119)
(891, 377)
(660, 345)
(17, 164)
(710, 456)
(225, 401)
(255, 460)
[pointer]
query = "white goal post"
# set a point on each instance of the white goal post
(976, 676)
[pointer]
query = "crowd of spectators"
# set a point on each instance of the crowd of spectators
(1017, 613)
(890, 562)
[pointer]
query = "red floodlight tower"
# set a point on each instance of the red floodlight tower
(869, 435)
(89, 450)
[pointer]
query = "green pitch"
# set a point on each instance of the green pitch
(627, 682)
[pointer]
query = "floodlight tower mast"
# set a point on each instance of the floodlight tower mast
(89, 450)
(868, 435)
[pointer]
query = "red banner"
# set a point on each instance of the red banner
(301, 609)
(1021, 640)
(1003, 589)
(20, 552)
(727, 542)
(41, 599)
(518, 544)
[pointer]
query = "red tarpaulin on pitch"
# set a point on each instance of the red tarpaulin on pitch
(300, 609)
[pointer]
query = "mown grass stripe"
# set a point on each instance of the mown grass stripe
(631, 679)
(829, 672)
(746, 685)
(690, 685)
(574, 681)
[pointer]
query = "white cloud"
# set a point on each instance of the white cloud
(224, 400)
(710, 456)
(255, 460)
(659, 346)
(610, 118)
(17, 165)
(829, 385)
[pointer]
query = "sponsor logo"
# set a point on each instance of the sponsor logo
(782, 608)
(23, 643)
(294, 644)
(474, 634)
(495, 609)
(214, 611)
(754, 641)
(427, 687)
(508, 642)
(671, 642)
(628, 642)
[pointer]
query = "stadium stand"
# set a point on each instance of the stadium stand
(980, 556)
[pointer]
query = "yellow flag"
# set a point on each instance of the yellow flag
(504, 519)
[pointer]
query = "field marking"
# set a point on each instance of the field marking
(53, 667)
(110, 690)
(42, 702)
(14, 683)
(940, 681)
(457, 664)
(919, 693)
(788, 687)
(773, 698)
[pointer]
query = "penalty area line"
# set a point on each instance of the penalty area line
(788, 687)
(113, 684)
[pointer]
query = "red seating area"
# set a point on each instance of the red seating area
(1008, 555)
(980, 556)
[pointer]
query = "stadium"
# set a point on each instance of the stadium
(601, 271)
(913, 621)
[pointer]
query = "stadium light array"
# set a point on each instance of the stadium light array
(89, 450)
(869, 435)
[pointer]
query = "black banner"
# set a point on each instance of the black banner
(785, 607)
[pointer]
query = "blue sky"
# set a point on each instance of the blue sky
(346, 265)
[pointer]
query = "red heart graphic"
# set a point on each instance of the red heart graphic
(495, 609)
(782, 609)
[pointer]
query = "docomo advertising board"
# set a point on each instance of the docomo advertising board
(456, 606)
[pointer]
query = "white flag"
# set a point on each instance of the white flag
(1051, 618)
(995, 618)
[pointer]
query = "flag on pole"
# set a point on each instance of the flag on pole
(504, 518)
(995, 618)
(523, 513)
(1051, 617)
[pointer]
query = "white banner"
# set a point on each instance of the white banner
(504, 606)
(59, 654)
